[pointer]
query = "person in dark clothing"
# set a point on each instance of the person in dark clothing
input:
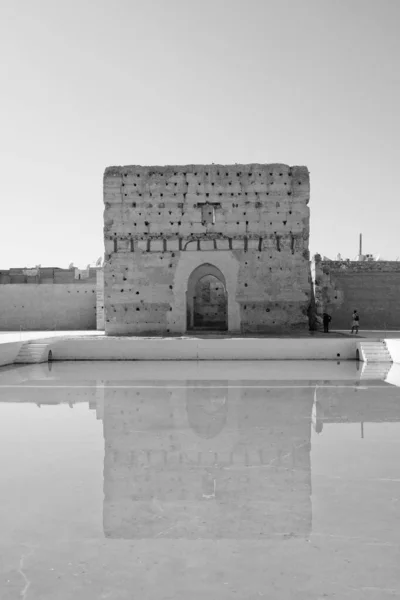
(326, 319)
(355, 324)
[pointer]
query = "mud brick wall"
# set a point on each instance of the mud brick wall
(250, 222)
(370, 287)
(223, 463)
(50, 299)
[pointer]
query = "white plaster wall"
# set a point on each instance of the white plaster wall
(8, 352)
(47, 306)
(394, 349)
(109, 348)
(188, 262)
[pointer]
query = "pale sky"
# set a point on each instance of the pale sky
(87, 84)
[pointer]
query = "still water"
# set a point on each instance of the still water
(181, 481)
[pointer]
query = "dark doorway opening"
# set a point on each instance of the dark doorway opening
(207, 300)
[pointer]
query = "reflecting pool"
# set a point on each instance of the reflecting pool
(185, 480)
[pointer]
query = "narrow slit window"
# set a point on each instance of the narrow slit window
(207, 214)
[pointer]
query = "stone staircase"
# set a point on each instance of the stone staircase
(373, 351)
(34, 352)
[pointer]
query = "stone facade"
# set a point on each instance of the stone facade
(371, 287)
(215, 247)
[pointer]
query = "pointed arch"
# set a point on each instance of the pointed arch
(207, 299)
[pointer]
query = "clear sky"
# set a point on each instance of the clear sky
(91, 83)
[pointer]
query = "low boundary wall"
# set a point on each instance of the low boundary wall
(65, 306)
(110, 348)
(88, 348)
(8, 352)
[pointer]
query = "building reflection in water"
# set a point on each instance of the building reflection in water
(207, 461)
(206, 458)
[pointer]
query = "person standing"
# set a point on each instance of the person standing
(326, 319)
(355, 322)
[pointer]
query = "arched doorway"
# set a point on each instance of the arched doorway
(207, 299)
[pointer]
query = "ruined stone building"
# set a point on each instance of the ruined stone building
(206, 247)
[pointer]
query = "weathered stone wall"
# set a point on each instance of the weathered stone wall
(370, 287)
(249, 221)
(100, 300)
(46, 306)
(47, 298)
(48, 275)
(194, 463)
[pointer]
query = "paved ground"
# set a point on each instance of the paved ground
(19, 336)
(372, 333)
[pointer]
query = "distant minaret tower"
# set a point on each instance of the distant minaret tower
(360, 255)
